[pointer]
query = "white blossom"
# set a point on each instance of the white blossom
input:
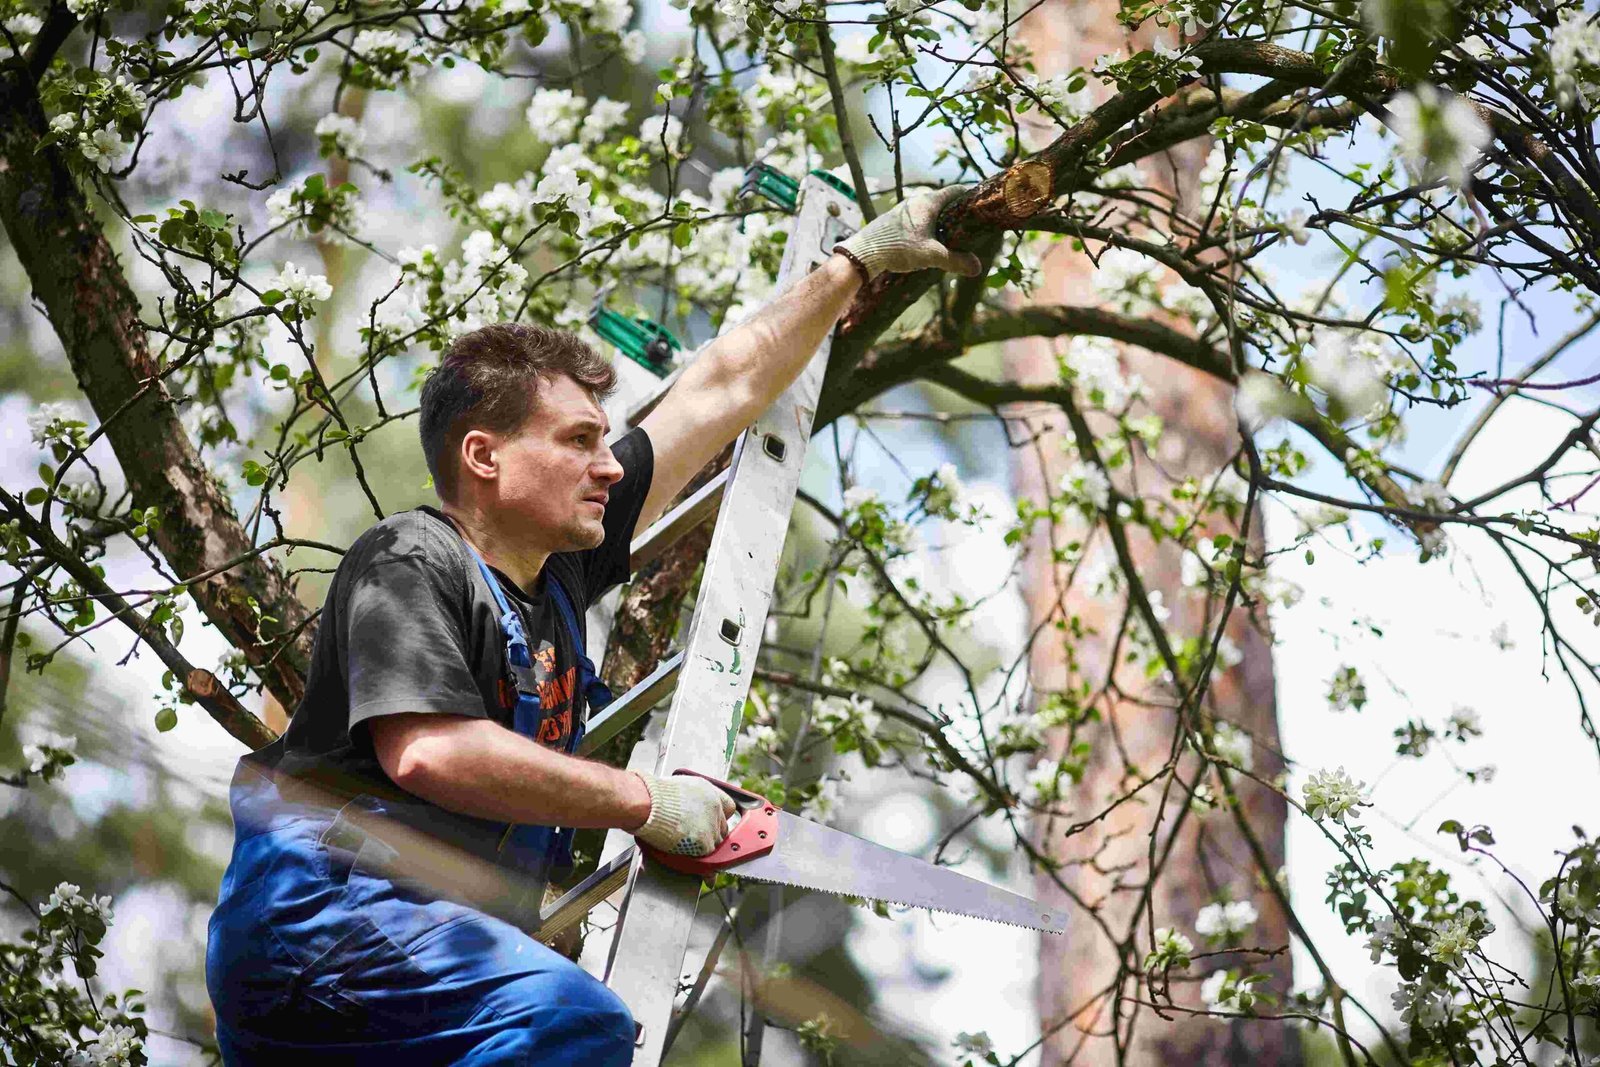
(1440, 134)
(1458, 936)
(1464, 722)
(1221, 920)
(298, 287)
(1574, 54)
(105, 148)
(49, 746)
(820, 807)
(759, 738)
(656, 129)
(1431, 496)
(1381, 939)
(1422, 1005)
(1172, 949)
(1094, 366)
(1088, 483)
(1260, 399)
(1219, 993)
(341, 133)
(23, 26)
(1126, 279)
(1342, 372)
(114, 1046)
(632, 46)
(68, 898)
(1043, 783)
(1232, 746)
(978, 1044)
(1332, 795)
(1500, 637)
(42, 419)
(84, 9)
(553, 115)
(604, 116)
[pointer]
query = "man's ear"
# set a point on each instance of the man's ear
(478, 455)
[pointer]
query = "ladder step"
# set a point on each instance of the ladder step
(626, 709)
(569, 910)
(649, 545)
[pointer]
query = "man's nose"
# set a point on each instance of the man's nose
(608, 470)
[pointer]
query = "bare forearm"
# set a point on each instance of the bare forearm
(476, 767)
(738, 376)
(768, 350)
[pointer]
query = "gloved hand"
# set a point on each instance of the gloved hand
(902, 240)
(688, 815)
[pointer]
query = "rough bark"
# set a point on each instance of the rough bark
(80, 283)
(1209, 854)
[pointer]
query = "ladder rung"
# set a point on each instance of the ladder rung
(626, 709)
(649, 545)
(581, 899)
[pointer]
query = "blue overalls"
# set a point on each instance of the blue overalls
(315, 953)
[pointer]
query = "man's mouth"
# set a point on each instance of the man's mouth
(598, 498)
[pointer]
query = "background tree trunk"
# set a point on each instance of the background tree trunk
(1210, 856)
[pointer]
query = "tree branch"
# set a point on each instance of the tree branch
(76, 276)
(200, 683)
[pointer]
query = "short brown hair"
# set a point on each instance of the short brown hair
(489, 379)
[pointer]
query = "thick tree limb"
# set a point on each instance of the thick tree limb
(77, 277)
(201, 684)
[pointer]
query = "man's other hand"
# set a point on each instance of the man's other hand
(688, 815)
(903, 239)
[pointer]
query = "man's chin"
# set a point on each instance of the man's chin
(586, 534)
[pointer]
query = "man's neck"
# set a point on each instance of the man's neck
(504, 553)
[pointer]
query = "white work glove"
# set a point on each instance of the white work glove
(688, 815)
(903, 239)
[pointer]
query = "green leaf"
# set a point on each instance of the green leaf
(166, 719)
(271, 297)
(36, 495)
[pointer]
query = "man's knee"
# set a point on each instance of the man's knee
(585, 997)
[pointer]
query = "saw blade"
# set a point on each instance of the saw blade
(812, 856)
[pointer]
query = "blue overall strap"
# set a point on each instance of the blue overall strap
(527, 714)
(595, 692)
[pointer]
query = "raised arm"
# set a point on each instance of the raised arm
(738, 376)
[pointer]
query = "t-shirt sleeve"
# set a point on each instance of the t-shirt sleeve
(607, 565)
(406, 643)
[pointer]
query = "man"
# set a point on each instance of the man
(447, 692)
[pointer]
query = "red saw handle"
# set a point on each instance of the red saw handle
(755, 835)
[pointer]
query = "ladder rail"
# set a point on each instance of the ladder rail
(718, 659)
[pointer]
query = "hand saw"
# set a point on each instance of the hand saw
(769, 844)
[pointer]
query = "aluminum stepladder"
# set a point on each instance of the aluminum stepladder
(709, 678)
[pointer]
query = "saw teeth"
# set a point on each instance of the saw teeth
(852, 898)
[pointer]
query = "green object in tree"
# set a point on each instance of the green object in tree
(781, 189)
(648, 344)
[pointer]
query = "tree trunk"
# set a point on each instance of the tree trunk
(77, 277)
(1210, 856)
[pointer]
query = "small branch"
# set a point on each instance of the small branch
(841, 115)
(201, 684)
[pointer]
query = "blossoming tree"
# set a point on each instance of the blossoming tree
(257, 328)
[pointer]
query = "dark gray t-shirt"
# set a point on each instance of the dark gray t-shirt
(409, 625)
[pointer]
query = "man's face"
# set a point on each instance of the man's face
(555, 474)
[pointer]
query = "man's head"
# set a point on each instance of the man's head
(511, 424)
